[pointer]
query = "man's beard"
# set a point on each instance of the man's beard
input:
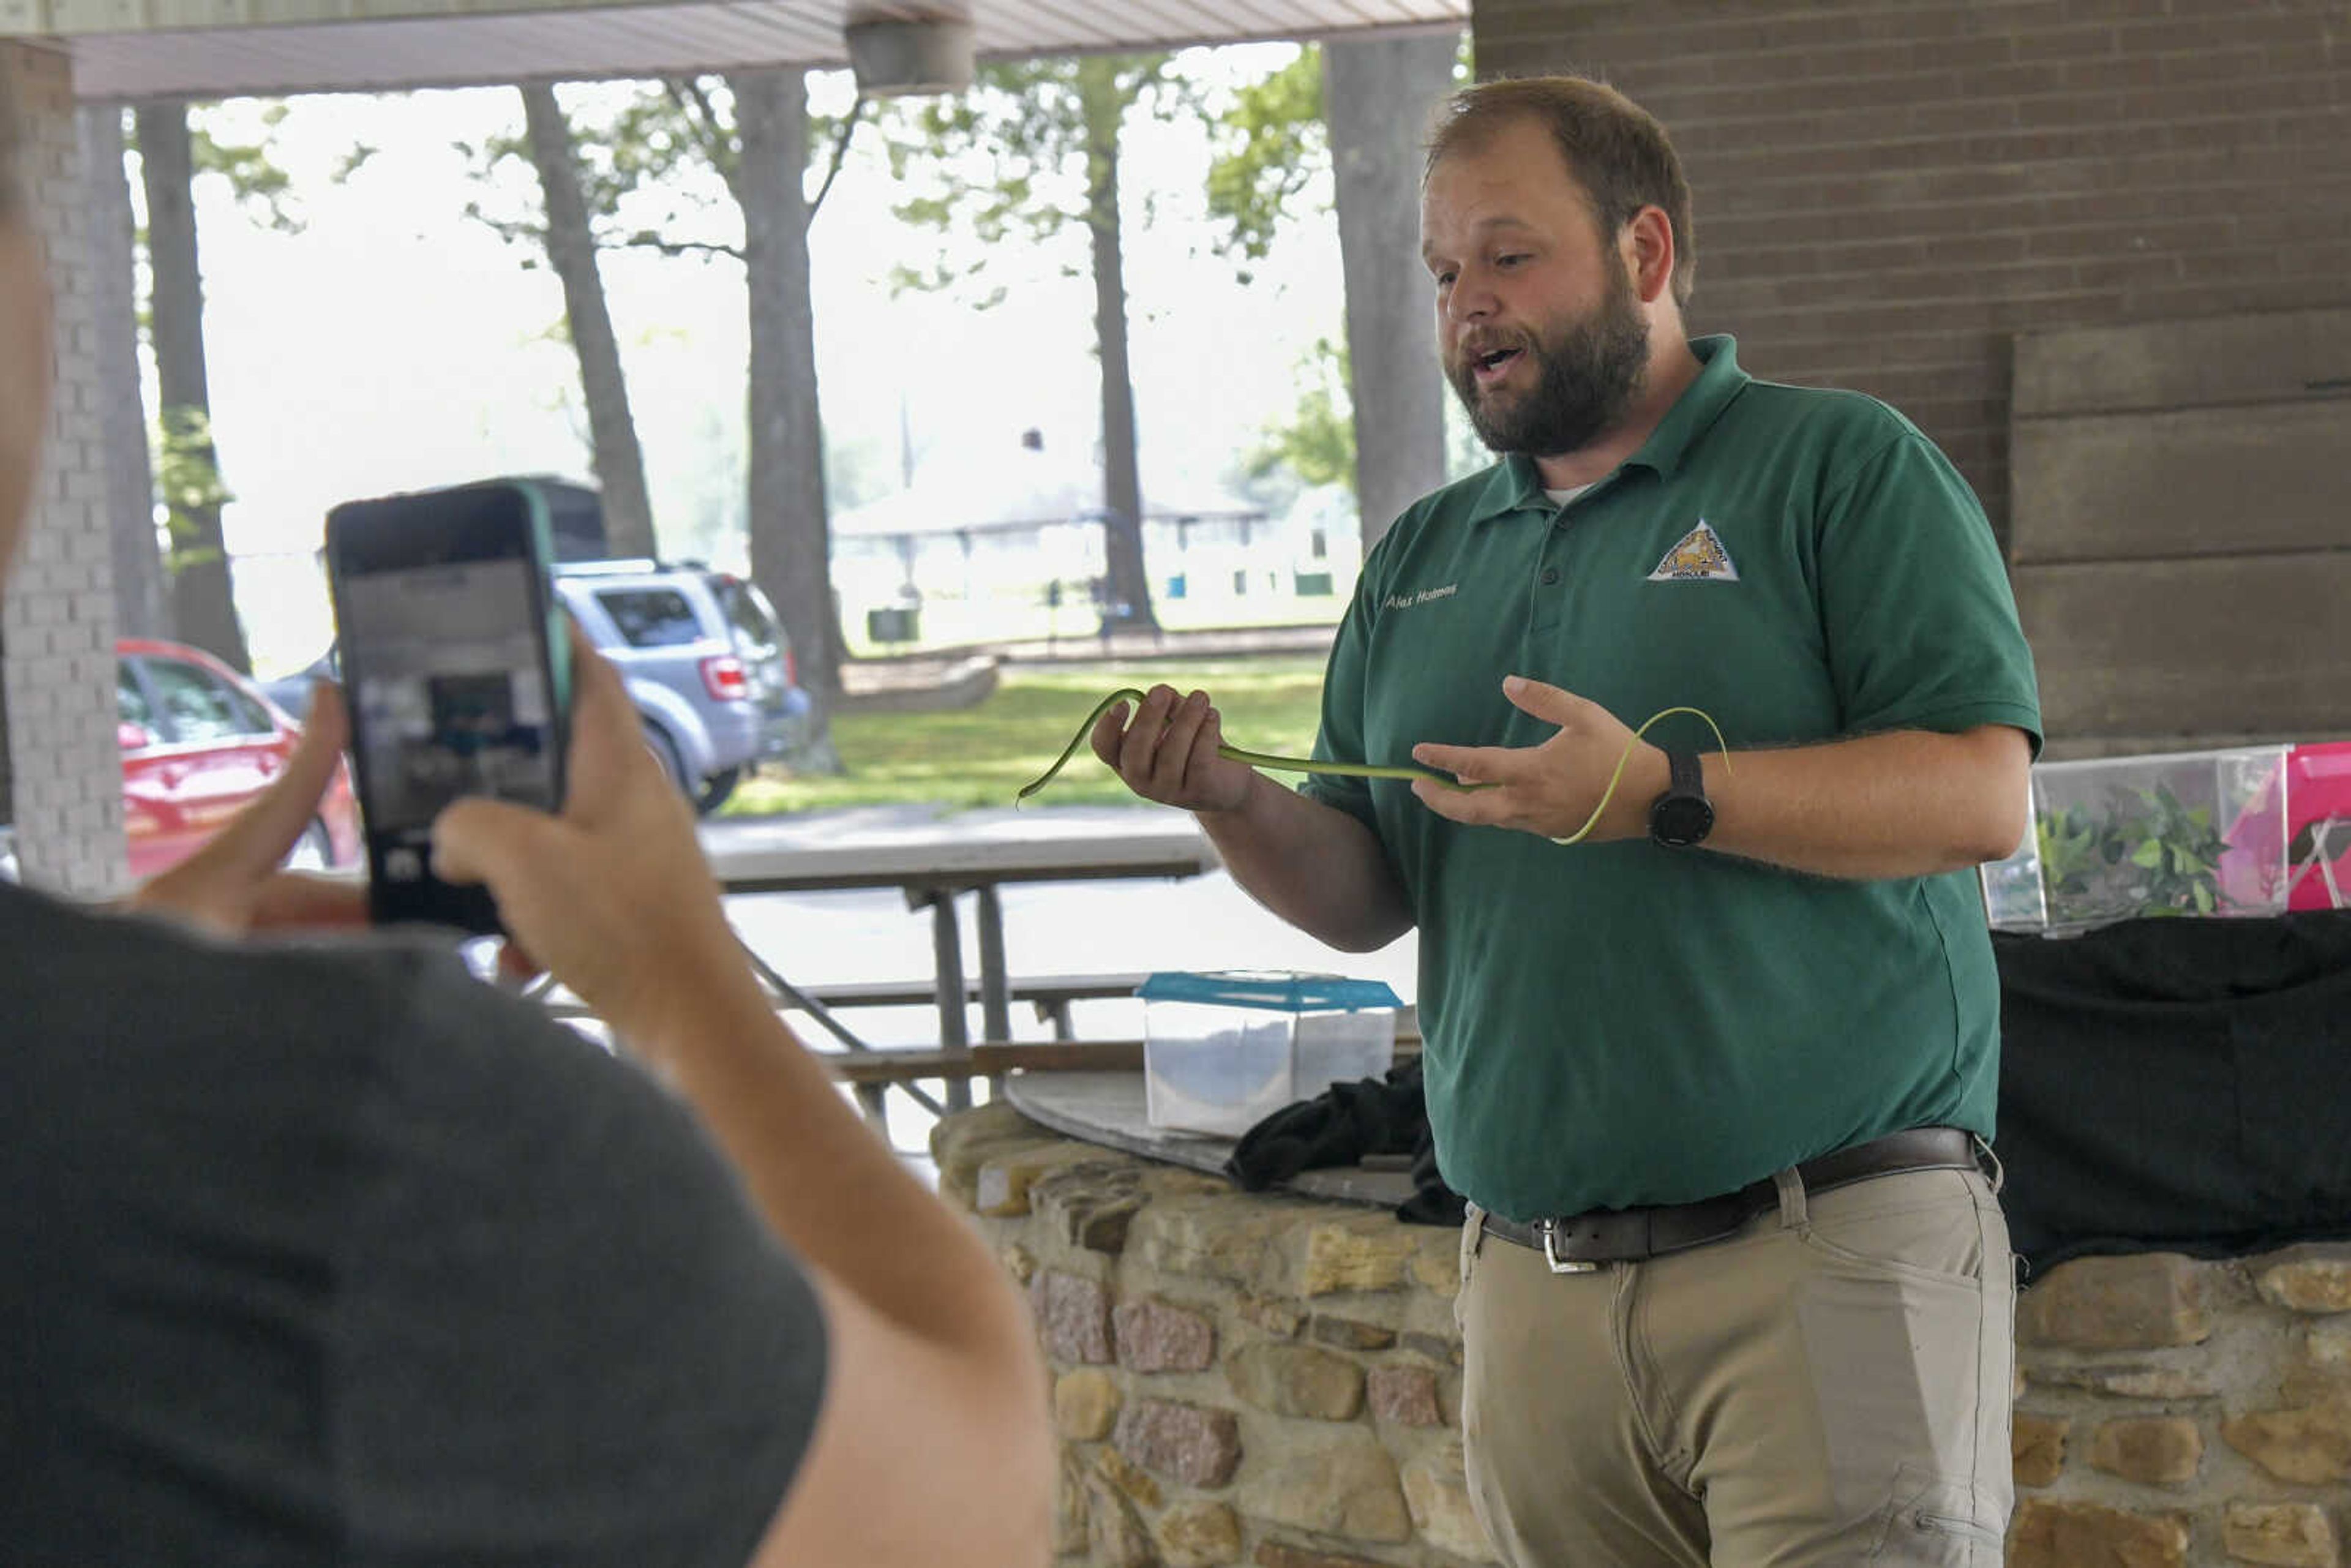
(1587, 374)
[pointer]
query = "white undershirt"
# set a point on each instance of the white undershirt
(1562, 497)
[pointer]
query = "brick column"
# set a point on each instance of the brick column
(57, 750)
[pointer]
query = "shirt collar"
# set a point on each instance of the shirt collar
(1513, 484)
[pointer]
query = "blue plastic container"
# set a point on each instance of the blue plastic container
(1222, 1051)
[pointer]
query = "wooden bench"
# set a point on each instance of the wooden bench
(1050, 995)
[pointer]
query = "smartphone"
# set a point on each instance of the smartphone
(457, 673)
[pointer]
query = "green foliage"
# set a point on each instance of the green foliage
(262, 188)
(2150, 854)
(1318, 441)
(1265, 147)
(187, 482)
(1023, 157)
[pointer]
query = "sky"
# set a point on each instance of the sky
(395, 342)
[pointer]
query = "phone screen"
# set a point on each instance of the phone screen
(451, 676)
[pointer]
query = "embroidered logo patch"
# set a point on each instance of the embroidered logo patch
(1699, 557)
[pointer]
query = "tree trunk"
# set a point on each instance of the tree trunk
(204, 603)
(141, 608)
(1376, 93)
(1129, 588)
(791, 542)
(619, 461)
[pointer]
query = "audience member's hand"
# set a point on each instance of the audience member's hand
(1167, 753)
(612, 894)
(234, 885)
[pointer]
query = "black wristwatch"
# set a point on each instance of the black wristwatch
(1682, 816)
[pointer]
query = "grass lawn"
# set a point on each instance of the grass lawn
(981, 755)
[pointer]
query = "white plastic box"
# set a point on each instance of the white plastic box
(2196, 833)
(1223, 1051)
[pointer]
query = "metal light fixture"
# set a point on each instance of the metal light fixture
(894, 54)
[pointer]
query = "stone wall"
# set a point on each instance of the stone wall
(1253, 1379)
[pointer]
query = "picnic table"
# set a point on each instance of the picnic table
(934, 861)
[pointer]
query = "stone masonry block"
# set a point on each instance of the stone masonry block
(1371, 1253)
(1343, 1485)
(1085, 1404)
(2052, 1534)
(1116, 1536)
(1348, 1333)
(1297, 1380)
(2282, 1534)
(1437, 1491)
(1151, 1336)
(1073, 1317)
(1279, 1554)
(1000, 1187)
(1404, 1397)
(2037, 1447)
(2144, 1300)
(1199, 1535)
(1091, 1206)
(1197, 1445)
(2310, 1444)
(2319, 1282)
(2154, 1450)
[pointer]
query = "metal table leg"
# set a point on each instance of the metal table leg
(955, 1032)
(995, 986)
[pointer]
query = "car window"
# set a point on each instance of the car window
(198, 707)
(130, 704)
(747, 615)
(651, 617)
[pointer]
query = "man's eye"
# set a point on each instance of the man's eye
(1444, 280)
(1513, 259)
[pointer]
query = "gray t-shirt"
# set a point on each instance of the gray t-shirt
(336, 1256)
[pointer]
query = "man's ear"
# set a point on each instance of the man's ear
(1647, 244)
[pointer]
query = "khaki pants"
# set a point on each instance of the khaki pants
(1831, 1385)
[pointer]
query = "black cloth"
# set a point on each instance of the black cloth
(2176, 1085)
(1339, 1127)
(335, 1255)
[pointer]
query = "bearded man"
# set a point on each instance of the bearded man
(1711, 1024)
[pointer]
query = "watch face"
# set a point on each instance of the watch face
(1680, 821)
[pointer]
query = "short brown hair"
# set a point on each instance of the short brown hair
(1617, 148)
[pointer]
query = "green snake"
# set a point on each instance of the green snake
(1272, 763)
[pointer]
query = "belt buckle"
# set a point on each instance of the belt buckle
(1549, 1228)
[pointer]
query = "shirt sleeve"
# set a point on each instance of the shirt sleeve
(565, 1336)
(1921, 623)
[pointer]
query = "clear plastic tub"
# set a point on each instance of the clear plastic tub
(1223, 1051)
(2197, 834)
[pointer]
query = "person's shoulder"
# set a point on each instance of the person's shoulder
(151, 992)
(1838, 416)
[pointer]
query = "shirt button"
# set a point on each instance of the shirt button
(1549, 576)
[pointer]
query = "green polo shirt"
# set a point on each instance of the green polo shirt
(1618, 1024)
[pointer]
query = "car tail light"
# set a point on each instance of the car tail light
(791, 668)
(723, 677)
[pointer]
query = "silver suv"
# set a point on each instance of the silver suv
(706, 663)
(706, 660)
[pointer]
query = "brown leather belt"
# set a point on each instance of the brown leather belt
(1578, 1244)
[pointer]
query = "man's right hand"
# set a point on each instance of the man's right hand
(1167, 752)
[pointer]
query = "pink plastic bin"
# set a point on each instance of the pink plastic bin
(2318, 787)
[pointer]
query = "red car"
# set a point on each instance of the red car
(198, 742)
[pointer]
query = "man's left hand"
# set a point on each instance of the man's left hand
(1549, 790)
(234, 884)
